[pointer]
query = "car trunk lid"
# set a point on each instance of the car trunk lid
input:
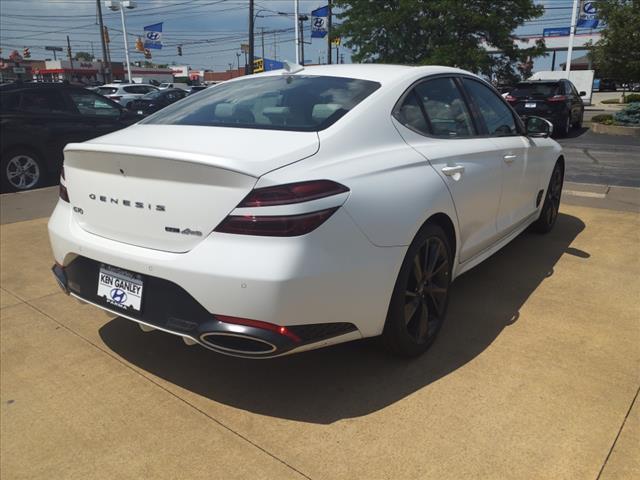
(171, 195)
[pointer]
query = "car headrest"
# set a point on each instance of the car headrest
(322, 111)
(224, 110)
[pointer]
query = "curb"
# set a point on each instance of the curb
(615, 130)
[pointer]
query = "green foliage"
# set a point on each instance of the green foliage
(632, 97)
(84, 56)
(604, 118)
(438, 32)
(610, 101)
(629, 116)
(617, 54)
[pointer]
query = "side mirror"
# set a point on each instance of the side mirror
(538, 127)
(583, 93)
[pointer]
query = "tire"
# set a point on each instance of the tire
(418, 304)
(565, 127)
(578, 124)
(551, 205)
(22, 169)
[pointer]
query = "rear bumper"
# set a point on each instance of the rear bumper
(327, 287)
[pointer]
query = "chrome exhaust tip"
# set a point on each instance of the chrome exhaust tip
(235, 343)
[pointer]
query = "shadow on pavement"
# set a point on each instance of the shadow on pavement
(358, 378)
(576, 132)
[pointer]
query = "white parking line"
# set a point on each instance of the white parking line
(578, 193)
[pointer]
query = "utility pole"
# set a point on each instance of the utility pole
(69, 54)
(262, 35)
(329, 34)
(302, 19)
(574, 14)
(251, 38)
(275, 45)
(104, 45)
(296, 9)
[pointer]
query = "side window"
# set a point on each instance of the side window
(410, 114)
(88, 103)
(496, 115)
(42, 101)
(446, 110)
(130, 89)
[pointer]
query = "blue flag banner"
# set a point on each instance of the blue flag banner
(153, 36)
(588, 17)
(320, 22)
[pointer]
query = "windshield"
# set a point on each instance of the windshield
(280, 102)
(542, 89)
(153, 94)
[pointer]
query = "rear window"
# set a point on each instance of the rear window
(280, 102)
(542, 89)
(107, 90)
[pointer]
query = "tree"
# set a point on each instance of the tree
(438, 32)
(617, 53)
(84, 57)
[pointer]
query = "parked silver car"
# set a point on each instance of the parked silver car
(125, 93)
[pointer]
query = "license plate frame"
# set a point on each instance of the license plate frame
(120, 288)
(530, 105)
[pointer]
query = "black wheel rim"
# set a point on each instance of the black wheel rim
(427, 290)
(553, 196)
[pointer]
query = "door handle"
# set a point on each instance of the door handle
(451, 171)
(509, 158)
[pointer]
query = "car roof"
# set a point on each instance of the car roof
(381, 73)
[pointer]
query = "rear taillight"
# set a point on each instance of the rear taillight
(283, 225)
(292, 193)
(64, 194)
(510, 99)
(275, 225)
(557, 98)
(259, 324)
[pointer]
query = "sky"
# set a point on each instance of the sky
(210, 31)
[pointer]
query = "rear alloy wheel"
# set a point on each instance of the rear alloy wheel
(21, 170)
(419, 302)
(551, 205)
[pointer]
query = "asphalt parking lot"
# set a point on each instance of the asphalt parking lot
(535, 375)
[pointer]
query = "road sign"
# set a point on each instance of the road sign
(244, 47)
(335, 42)
(53, 49)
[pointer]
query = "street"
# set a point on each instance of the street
(602, 159)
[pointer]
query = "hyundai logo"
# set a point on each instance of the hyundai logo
(118, 295)
(590, 8)
(153, 35)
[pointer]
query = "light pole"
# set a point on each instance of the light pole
(116, 5)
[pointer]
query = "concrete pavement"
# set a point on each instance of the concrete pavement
(534, 376)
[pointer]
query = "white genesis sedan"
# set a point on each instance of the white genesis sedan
(302, 208)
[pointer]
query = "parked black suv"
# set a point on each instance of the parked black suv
(37, 121)
(556, 100)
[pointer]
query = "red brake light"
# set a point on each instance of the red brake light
(557, 98)
(292, 193)
(259, 324)
(275, 226)
(510, 98)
